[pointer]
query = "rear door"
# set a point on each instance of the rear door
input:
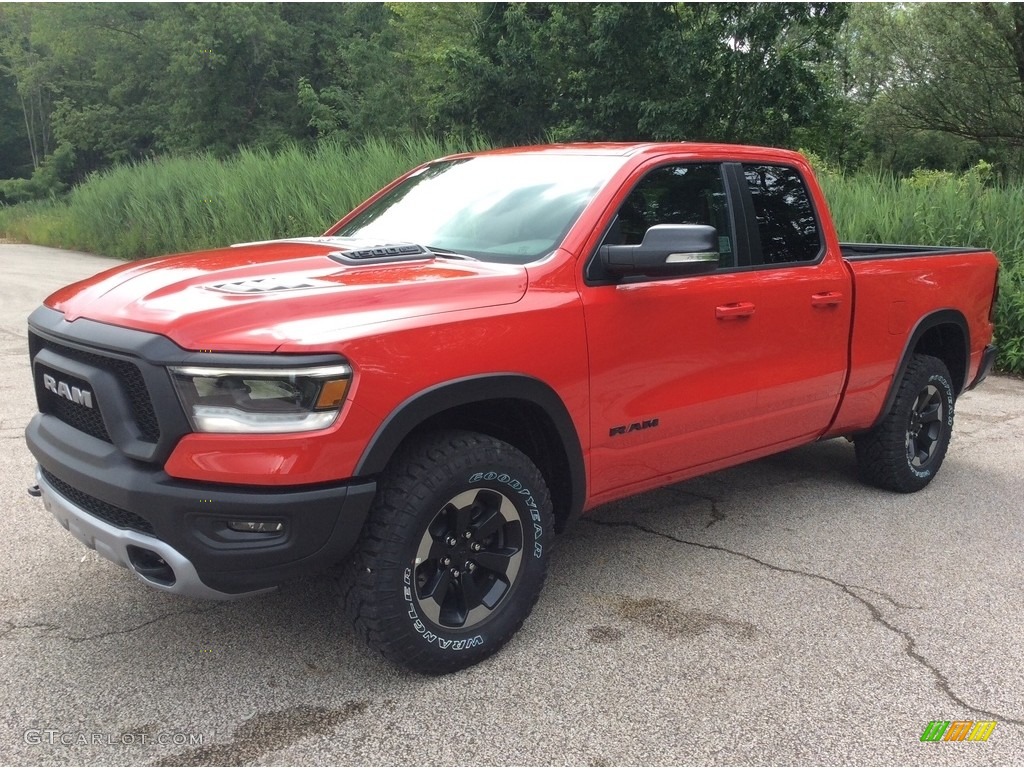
(804, 304)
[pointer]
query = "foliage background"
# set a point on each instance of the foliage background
(137, 129)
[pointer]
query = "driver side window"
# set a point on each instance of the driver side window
(676, 194)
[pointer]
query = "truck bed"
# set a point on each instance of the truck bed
(895, 303)
(867, 251)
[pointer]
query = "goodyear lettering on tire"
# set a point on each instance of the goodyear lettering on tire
(527, 496)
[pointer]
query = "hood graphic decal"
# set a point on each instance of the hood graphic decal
(268, 285)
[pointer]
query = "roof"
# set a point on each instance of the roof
(633, 148)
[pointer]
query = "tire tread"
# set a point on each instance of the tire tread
(403, 490)
(881, 453)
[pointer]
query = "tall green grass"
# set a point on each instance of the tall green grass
(181, 204)
(928, 209)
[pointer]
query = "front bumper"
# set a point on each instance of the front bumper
(127, 548)
(173, 534)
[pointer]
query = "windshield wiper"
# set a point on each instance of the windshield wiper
(445, 253)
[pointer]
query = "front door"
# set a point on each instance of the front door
(673, 362)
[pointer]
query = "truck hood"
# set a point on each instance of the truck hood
(257, 296)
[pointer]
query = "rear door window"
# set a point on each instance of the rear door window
(786, 222)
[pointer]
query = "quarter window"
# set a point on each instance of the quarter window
(786, 222)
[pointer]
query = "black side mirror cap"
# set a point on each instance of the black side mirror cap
(666, 250)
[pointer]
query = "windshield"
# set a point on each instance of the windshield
(504, 208)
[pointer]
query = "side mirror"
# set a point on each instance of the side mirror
(666, 250)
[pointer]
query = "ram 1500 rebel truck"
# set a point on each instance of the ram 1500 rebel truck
(487, 348)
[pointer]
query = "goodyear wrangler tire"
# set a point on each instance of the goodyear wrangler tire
(904, 452)
(454, 554)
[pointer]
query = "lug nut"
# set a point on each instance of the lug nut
(451, 541)
(470, 566)
(476, 546)
(467, 535)
(446, 561)
(455, 573)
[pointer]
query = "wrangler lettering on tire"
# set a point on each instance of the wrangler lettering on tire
(454, 554)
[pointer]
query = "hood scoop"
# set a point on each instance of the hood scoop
(355, 250)
(360, 253)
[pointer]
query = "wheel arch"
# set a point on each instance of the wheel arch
(943, 334)
(520, 410)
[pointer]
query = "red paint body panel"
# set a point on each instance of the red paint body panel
(892, 297)
(175, 296)
(811, 351)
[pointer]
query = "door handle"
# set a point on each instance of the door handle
(826, 299)
(730, 311)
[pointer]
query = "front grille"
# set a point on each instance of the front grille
(120, 518)
(88, 420)
(134, 386)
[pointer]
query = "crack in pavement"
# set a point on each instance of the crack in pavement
(910, 644)
(717, 515)
(171, 615)
(11, 626)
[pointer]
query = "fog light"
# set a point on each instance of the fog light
(255, 526)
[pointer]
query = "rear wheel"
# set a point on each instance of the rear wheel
(904, 452)
(454, 554)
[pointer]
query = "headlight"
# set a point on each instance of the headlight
(262, 400)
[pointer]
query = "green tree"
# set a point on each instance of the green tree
(25, 61)
(390, 73)
(973, 90)
(731, 72)
(938, 84)
(117, 82)
(364, 88)
(15, 158)
(104, 109)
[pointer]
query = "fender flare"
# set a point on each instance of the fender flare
(417, 408)
(941, 317)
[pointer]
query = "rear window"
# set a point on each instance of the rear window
(788, 228)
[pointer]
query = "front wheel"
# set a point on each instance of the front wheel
(454, 554)
(904, 452)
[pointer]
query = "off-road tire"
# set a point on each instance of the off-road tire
(904, 452)
(450, 503)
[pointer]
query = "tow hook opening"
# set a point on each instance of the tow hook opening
(151, 566)
(34, 492)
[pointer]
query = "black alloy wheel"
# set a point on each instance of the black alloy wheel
(924, 433)
(469, 558)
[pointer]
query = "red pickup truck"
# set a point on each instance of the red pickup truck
(489, 347)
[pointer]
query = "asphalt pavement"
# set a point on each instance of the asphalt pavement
(776, 613)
